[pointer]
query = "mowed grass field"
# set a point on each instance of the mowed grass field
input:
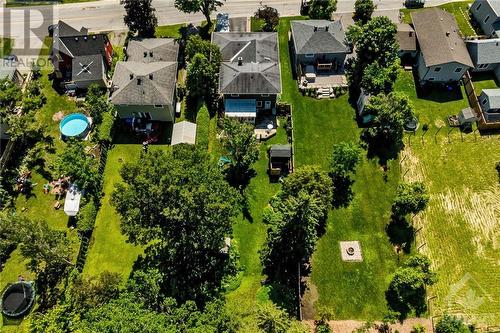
(348, 290)
(460, 228)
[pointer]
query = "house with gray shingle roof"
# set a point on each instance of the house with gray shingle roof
(487, 15)
(489, 100)
(485, 54)
(144, 86)
(249, 77)
(443, 56)
(319, 43)
(407, 41)
(80, 58)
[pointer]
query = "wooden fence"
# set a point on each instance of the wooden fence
(482, 123)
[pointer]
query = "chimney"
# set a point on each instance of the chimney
(240, 61)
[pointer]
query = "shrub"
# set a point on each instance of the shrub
(202, 127)
(418, 329)
(105, 130)
(86, 218)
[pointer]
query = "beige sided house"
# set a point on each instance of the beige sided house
(144, 85)
(443, 56)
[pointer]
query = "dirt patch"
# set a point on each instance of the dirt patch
(309, 298)
(481, 211)
(348, 326)
(58, 116)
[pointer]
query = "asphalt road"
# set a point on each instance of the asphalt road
(107, 15)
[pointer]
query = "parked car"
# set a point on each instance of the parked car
(414, 3)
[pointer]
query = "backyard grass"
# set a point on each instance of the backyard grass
(460, 227)
(459, 9)
(109, 250)
(484, 80)
(5, 46)
(250, 233)
(348, 290)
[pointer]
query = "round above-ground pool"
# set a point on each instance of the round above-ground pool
(74, 125)
(17, 299)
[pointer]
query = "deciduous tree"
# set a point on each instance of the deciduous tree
(377, 79)
(363, 10)
(452, 324)
(201, 80)
(242, 146)
(411, 198)
(270, 16)
(206, 7)
(140, 17)
(345, 158)
(322, 9)
(178, 205)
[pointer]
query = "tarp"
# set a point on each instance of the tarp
(184, 132)
(72, 202)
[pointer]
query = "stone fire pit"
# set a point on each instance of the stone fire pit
(351, 251)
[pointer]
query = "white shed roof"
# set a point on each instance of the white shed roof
(184, 132)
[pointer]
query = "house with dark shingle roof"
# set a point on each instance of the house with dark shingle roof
(487, 15)
(443, 56)
(79, 58)
(249, 77)
(144, 85)
(485, 54)
(319, 43)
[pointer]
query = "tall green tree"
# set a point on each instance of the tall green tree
(140, 17)
(201, 80)
(179, 207)
(407, 288)
(377, 79)
(195, 44)
(296, 217)
(411, 198)
(391, 112)
(345, 158)
(206, 7)
(270, 16)
(240, 141)
(452, 324)
(322, 9)
(80, 166)
(375, 42)
(363, 10)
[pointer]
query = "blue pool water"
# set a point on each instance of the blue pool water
(74, 125)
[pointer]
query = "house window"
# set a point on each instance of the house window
(267, 105)
(310, 55)
(484, 101)
(483, 66)
(432, 79)
(259, 104)
(235, 95)
(486, 19)
(458, 69)
(437, 69)
(479, 6)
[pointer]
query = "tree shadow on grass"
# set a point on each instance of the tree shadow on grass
(401, 233)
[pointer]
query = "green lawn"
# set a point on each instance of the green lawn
(349, 290)
(109, 250)
(5, 46)
(460, 227)
(484, 81)
(169, 31)
(250, 235)
(461, 11)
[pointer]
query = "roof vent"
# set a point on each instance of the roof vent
(240, 61)
(131, 76)
(411, 33)
(447, 33)
(150, 76)
(151, 54)
(326, 28)
(85, 38)
(139, 81)
(145, 54)
(315, 29)
(76, 39)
